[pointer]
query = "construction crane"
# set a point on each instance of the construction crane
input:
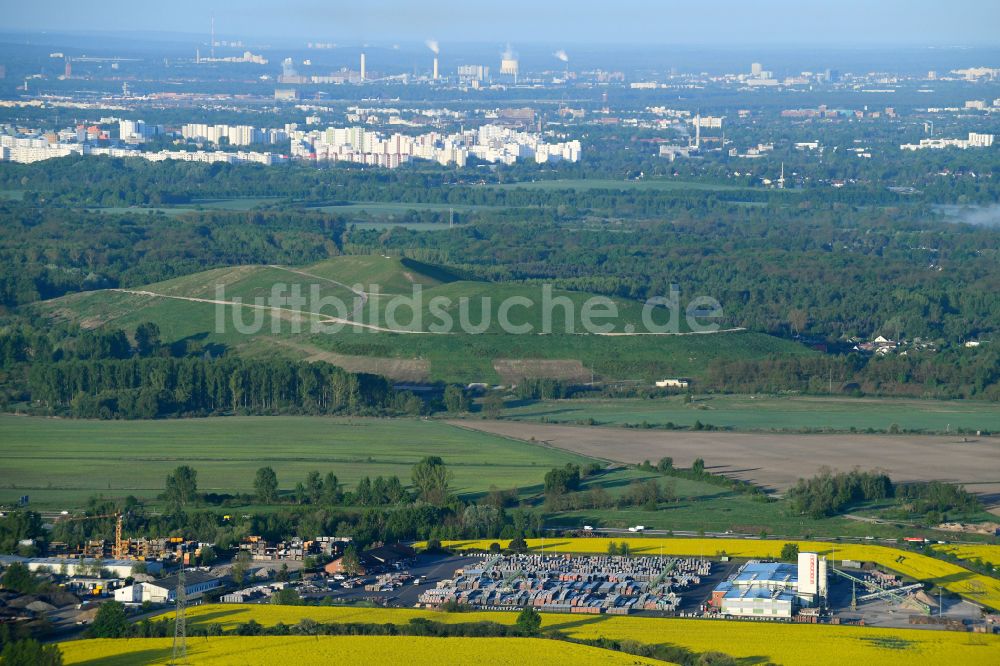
(119, 550)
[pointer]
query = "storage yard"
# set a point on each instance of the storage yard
(562, 583)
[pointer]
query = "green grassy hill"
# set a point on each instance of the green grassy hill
(393, 275)
(229, 307)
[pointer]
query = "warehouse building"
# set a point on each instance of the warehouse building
(773, 589)
(76, 566)
(756, 601)
(164, 590)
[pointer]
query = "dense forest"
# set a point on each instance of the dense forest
(952, 373)
(849, 272)
(105, 374)
(46, 251)
(115, 182)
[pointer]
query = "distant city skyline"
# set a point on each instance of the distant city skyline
(722, 23)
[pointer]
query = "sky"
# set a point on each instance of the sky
(666, 22)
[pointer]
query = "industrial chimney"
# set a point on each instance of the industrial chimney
(435, 48)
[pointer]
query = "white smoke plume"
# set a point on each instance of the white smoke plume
(561, 55)
(982, 216)
(433, 45)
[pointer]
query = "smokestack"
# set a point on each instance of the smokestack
(563, 57)
(213, 38)
(435, 48)
(362, 65)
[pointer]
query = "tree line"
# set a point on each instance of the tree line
(154, 387)
(829, 493)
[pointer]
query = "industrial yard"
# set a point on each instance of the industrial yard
(603, 584)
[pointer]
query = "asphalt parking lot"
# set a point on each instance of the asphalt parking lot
(442, 567)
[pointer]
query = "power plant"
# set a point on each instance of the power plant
(509, 64)
(562, 57)
(435, 48)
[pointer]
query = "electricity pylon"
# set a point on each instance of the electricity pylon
(180, 621)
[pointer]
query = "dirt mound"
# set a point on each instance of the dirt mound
(399, 369)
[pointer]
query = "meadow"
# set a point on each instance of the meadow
(393, 209)
(60, 463)
(489, 355)
(704, 506)
(383, 210)
(750, 642)
(771, 413)
(778, 461)
(412, 650)
(659, 184)
(977, 587)
(227, 204)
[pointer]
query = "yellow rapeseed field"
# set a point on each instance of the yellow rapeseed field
(409, 650)
(754, 641)
(977, 587)
(982, 553)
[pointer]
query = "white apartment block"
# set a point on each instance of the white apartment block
(975, 140)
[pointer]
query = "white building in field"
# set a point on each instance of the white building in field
(673, 383)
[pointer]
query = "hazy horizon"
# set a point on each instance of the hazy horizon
(773, 23)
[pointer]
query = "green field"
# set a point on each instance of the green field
(394, 208)
(234, 204)
(484, 352)
(772, 413)
(380, 210)
(412, 226)
(60, 463)
(609, 184)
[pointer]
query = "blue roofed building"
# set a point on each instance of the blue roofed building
(772, 589)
